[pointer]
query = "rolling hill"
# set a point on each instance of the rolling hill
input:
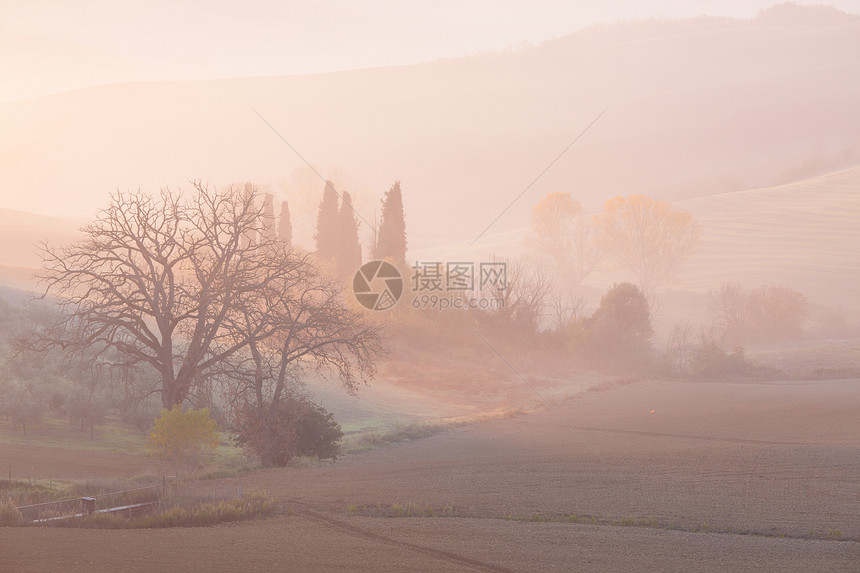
(805, 235)
(693, 108)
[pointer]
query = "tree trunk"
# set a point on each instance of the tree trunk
(267, 457)
(172, 392)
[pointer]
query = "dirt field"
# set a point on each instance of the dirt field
(734, 476)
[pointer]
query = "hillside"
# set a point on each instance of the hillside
(693, 108)
(805, 235)
(21, 233)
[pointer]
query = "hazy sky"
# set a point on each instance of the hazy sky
(48, 46)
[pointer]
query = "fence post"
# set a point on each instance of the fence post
(88, 505)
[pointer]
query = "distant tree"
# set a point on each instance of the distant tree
(285, 227)
(349, 249)
(729, 307)
(619, 331)
(647, 236)
(560, 231)
(88, 392)
(679, 347)
(569, 321)
(182, 436)
(778, 313)
(764, 314)
(327, 224)
(26, 403)
(267, 219)
(302, 190)
(391, 239)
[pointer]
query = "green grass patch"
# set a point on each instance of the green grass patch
(56, 432)
(405, 432)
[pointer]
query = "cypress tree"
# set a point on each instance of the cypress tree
(327, 222)
(391, 239)
(267, 227)
(349, 249)
(285, 226)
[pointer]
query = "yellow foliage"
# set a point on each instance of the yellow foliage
(647, 236)
(560, 231)
(181, 436)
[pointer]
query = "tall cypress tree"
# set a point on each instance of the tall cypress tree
(349, 249)
(327, 219)
(391, 238)
(267, 226)
(285, 226)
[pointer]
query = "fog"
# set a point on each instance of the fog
(310, 265)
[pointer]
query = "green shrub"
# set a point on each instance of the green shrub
(619, 332)
(294, 426)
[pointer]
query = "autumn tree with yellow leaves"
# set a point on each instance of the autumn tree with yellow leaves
(563, 233)
(646, 236)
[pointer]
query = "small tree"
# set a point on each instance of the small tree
(182, 436)
(619, 331)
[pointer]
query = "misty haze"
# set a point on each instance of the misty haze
(455, 287)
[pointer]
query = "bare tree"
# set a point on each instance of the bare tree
(155, 279)
(679, 346)
(730, 309)
(520, 300)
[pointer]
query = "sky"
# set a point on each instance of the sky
(50, 46)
